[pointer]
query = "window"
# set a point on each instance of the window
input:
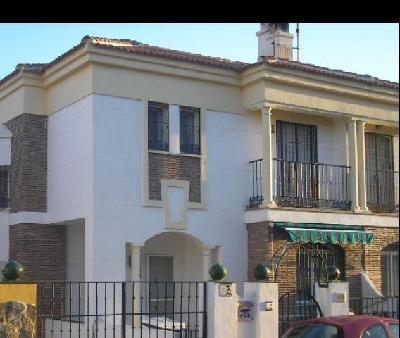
(158, 134)
(376, 331)
(296, 142)
(390, 270)
(4, 187)
(296, 150)
(315, 331)
(190, 130)
(380, 174)
(311, 265)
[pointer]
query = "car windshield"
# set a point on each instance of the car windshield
(394, 329)
(315, 330)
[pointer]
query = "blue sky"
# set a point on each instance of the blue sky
(361, 48)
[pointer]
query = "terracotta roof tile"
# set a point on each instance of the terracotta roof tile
(135, 47)
(307, 67)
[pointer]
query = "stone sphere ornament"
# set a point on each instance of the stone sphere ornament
(262, 272)
(333, 273)
(12, 271)
(217, 272)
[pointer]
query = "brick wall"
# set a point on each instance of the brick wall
(264, 241)
(354, 263)
(28, 174)
(40, 248)
(373, 263)
(166, 166)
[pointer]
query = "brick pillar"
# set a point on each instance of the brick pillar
(257, 242)
(28, 171)
(40, 248)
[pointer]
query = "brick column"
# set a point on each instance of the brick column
(28, 171)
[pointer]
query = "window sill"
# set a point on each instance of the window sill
(177, 154)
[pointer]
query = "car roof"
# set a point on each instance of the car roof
(353, 320)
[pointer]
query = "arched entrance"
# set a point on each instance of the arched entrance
(168, 273)
(174, 256)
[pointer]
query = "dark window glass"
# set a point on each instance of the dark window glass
(380, 174)
(311, 265)
(4, 187)
(296, 142)
(315, 331)
(376, 331)
(390, 270)
(190, 130)
(394, 329)
(296, 149)
(158, 134)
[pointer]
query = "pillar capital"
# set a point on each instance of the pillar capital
(266, 109)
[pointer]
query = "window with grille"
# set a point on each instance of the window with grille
(4, 187)
(158, 129)
(380, 174)
(312, 264)
(190, 130)
(390, 271)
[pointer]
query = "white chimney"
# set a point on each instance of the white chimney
(275, 40)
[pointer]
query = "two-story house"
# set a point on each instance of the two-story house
(124, 161)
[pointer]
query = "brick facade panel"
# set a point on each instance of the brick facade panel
(40, 248)
(28, 171)
(264, 242)
(373, 258)
(166, 166)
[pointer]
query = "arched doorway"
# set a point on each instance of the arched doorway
(174, 256)
(169, 294)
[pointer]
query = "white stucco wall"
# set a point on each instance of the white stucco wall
(119, 217)
(75, 251)
(70, 156)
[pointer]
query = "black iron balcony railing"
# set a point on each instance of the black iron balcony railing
(304, 185)
(382, 190)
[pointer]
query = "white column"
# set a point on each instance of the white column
(217, 254)
(221, 313)
(266, 317)
(352, 132)
(333, 300)
(267, 174)
(174, 129)
(135, 270)
(362, 187)
(206, 263)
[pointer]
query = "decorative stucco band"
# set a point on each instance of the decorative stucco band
(28, 176)
(177, 167)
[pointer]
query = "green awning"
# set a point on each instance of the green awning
(326, 233)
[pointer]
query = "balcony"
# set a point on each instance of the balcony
(303, 185)
(382, 190)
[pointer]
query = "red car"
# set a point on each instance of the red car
(345, 327)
